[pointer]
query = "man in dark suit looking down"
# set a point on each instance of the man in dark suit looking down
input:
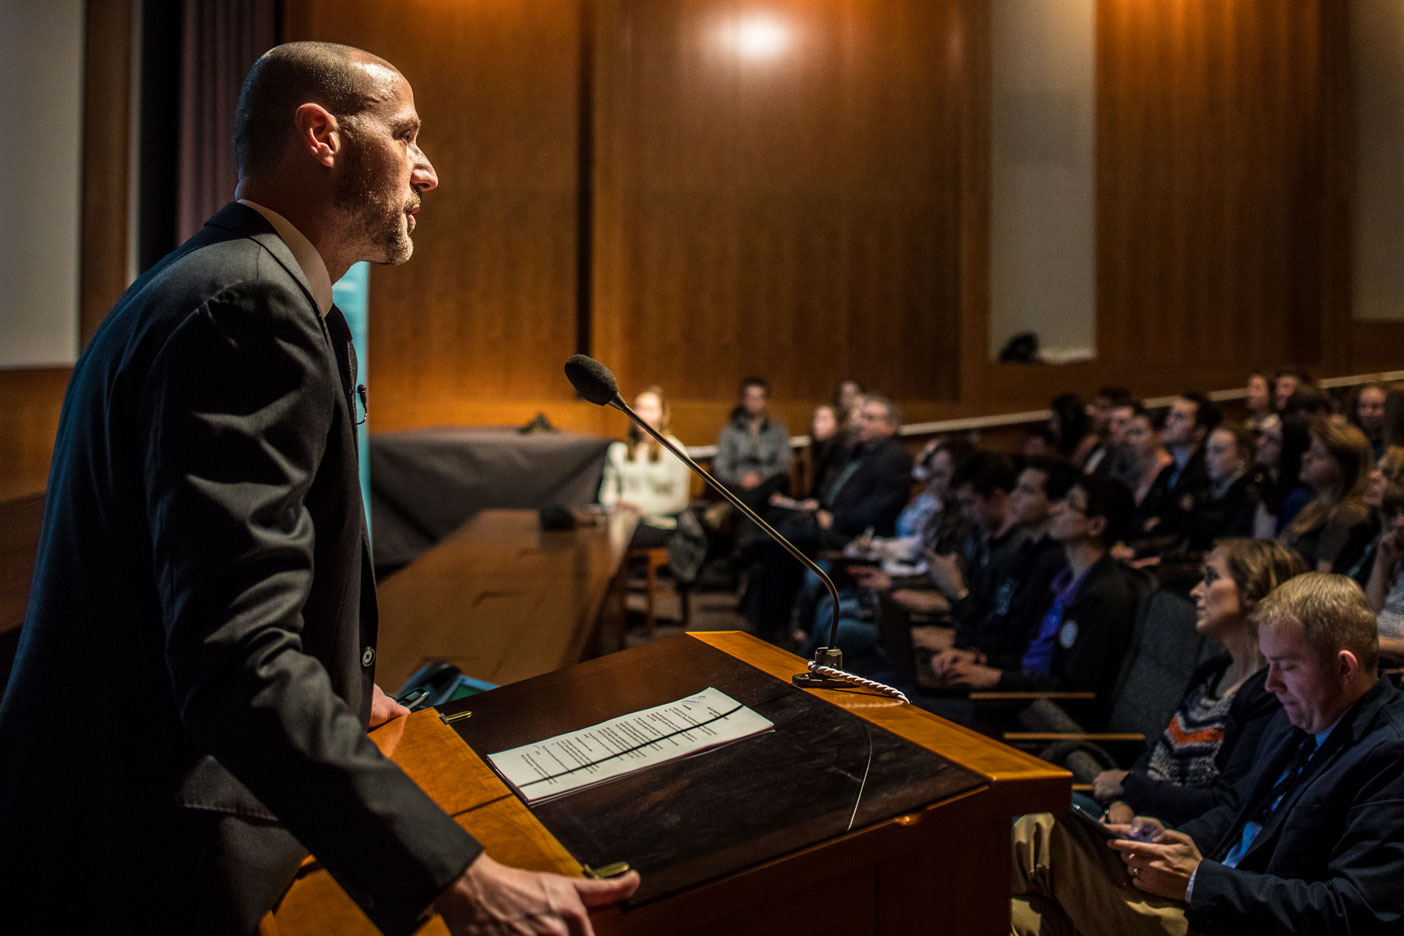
(1311, 841)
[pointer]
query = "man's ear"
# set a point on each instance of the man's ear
(318, 133)
(1096, 526)
(1347, 666)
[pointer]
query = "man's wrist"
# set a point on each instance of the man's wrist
(1189, 887)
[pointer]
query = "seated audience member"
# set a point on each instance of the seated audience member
(1258, 403)
(1072, 428)
(996, 632)
(1212, 737)
(864, 490)
(1082, 639)
(640, 475)
(913, 518)
(1280, 451)
(845, 397)
(753, 459)
(825, 444)
(1389, 469)
(1104, 405)
(848, 401)
(1307, 843)
(964, 584)
(1394, 416)
(1367, 411)
(1285, 383)
(1164, 516)
(1386, 586)
(1039, 442)
(1235, 488)
(942, 529)
(1120, 461)
(1336, 466)
(1312, 402)
(1147, 456)
(753, 451)
(982, 487)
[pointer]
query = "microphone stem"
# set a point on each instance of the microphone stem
(750, 514)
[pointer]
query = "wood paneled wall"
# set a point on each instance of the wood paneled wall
(824, 211)
(1219, 143)
(28, 425)
(794, 215)
(613, 163)
(798, 216)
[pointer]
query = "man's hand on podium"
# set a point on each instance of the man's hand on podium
(384, 708)
(492, 898)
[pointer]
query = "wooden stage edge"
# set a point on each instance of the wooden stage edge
(946, 862)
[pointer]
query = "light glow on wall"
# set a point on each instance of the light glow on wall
(758, 36)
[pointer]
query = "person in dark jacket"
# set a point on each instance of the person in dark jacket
(1310, 841)
(1236, 488)
(1182, 487)
(1082, 639)
(1213, 736)
(864, 490)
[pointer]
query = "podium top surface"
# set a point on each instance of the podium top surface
(822, 773)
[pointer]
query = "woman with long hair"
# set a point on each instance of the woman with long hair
(639, 475)
(1212, 736)
(1388, 470)
(1280, 451)
(1337, 467)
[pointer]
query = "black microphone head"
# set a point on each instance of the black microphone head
(591, 379)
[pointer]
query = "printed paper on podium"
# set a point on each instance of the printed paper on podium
(626, 745)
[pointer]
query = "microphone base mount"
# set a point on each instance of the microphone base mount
(831, 657)
(815, 681)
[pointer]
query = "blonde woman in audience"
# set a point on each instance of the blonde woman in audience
(639, 475)
(1337, 467)
(1212, 736)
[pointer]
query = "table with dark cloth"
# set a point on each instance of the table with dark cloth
(425, 483)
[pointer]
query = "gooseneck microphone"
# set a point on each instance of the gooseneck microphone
(594, 382)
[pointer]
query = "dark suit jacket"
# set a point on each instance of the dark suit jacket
(1165, 516)
(1330, 859)
(875, 492)
(195, 669)
(1090, 648)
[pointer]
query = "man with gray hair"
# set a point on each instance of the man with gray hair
(188, 709)
(1310, 841)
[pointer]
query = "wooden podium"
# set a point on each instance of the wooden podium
(939, 863)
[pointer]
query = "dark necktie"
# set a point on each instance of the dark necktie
(1287, 781)
(345, 352)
